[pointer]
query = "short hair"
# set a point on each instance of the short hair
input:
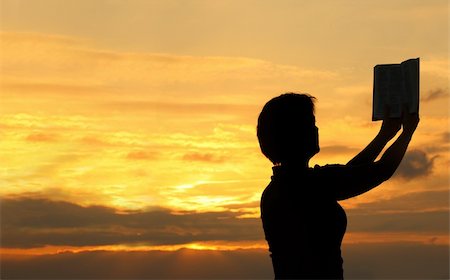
(283, 125)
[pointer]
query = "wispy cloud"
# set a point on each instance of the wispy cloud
(205, 157)
(418, 212)
(416, 163)
(142, 155)
(90, 72)
(433, 222)
(41, 137)
(435, 94)
(35, 222)
(421, 201)
(338, 149)
(29, 222)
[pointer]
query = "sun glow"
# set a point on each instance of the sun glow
(213, 245)
(123, 130)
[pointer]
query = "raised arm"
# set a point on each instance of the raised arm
(394, 154)
(354, 179)
(388, 130)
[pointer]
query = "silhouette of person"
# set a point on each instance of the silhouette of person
(302, 220)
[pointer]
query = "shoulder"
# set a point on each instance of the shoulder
(328, 168)
(334, 174)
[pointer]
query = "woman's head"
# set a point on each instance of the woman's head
(286, 128)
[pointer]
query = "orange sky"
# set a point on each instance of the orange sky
(147, 106)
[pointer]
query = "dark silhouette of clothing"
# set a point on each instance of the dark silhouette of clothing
(303, 223)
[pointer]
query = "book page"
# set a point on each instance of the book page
(395, 91)
(388, 90)
(395, 85)
(411, 76)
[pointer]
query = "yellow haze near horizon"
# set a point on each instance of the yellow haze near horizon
(96, 118)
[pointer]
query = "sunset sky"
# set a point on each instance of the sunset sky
(128, 127)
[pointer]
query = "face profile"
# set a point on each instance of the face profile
(286, 130)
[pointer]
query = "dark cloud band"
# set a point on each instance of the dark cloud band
(28, 222)
(31, 222)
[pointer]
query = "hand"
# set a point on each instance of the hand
(390, 126)
(409, 121)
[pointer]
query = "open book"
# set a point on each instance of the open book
(395, 85)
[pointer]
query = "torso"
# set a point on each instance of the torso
(304, 225)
